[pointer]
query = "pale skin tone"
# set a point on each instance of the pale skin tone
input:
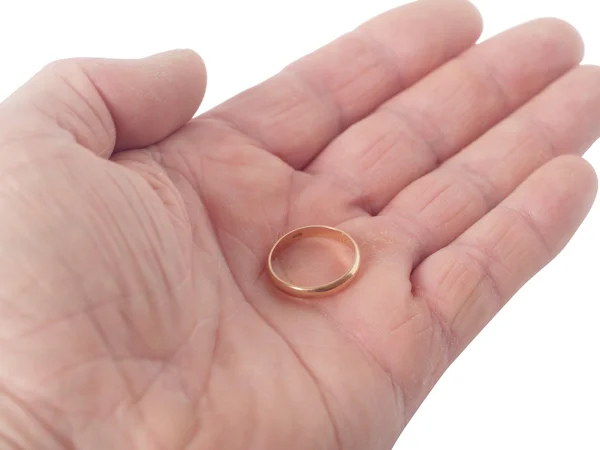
(135, 311)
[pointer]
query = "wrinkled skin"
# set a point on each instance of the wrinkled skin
(135, 310)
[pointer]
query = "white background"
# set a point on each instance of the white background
(532, 379)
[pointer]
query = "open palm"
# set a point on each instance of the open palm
(135, 310)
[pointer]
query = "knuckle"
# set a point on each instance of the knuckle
(70, 98)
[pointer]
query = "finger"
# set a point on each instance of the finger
(420, 128)
(563, 119)
(108, 104)
(466, 283)
(299, 111)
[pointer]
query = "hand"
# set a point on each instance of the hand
(135, 310)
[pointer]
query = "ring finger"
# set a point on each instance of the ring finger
(564, 119)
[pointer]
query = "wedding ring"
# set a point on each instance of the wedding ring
(321, 231)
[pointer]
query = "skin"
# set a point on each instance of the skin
(135, 310)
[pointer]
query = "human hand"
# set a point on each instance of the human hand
(135, 310)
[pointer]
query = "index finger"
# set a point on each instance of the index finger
(298, 112)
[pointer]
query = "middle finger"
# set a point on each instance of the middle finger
(417, 130)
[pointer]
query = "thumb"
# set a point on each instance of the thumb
(106, 104)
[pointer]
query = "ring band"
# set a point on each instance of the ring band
(308, 232)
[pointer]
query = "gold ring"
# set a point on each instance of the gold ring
(321, 290)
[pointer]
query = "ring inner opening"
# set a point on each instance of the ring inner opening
(310, 261)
